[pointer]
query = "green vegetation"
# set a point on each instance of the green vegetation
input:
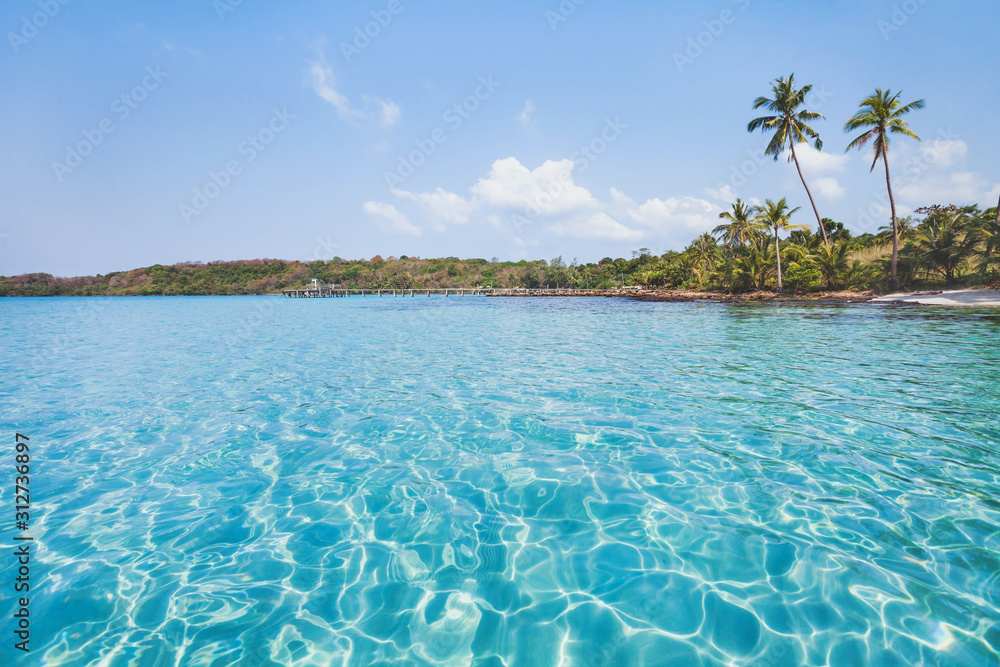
(790, 127)
(778, 218)
(882, 114)
(949, 246)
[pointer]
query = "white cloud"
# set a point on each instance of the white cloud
(390, 113)
(944, 153)
(829, 188)
(622, 199)
(322, 82)
(387, 111)
(596, 226)
(547, 191)
(442, 205)
(526, 118)
(884, 211)
(170, 46)
(960, 188)
(724, 194)
(523, 203)
(392, 219)
(814, 162)
(931, 173)
(684, 216)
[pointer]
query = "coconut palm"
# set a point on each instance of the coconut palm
(989, 235)
(777, 217)
(742, 223)
(880, 115)
(701, 256)
(790, 128)
(905, 227)
(752, 268)
(705, 248)
(833, 262)
(943, 243)
(647, 278)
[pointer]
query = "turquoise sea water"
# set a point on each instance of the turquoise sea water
(460, 481)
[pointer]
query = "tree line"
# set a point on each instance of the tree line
(755, 248)
(950, 246)
(949, 243)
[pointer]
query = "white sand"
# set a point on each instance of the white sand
(979, 297)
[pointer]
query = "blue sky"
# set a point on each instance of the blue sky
(199, 130)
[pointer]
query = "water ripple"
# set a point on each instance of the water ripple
(509, 482)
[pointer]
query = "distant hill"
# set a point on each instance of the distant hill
(951, 246)
(270, 276)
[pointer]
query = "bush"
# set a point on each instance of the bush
(803, 277)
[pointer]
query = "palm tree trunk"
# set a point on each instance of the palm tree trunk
(812, 201)
(777, 251)
(895, 223)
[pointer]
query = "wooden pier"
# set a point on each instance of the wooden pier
(328, 291)
(335, 291)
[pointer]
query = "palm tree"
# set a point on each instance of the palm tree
(778, 218)
(943, 243)
(790, 128)
(647, 278)
(741, 224)
(701, 256)
(882, 114)
(989, 235)
(705, 248)
(833, 263)
(752, 268)
(905, 227)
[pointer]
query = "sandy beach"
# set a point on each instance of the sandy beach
(981, 297)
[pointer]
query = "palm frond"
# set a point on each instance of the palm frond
(880, 115)
(811, 115)
(902, 129)
(908, 108)
(861, 141)
(762, 122)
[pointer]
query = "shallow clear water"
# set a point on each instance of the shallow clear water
(524, 482)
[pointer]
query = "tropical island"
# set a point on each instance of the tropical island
(951, 247)
(758, 247)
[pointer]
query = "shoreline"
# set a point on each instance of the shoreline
(968, 298)
(971, 298)
(981, 298)
(685, 296)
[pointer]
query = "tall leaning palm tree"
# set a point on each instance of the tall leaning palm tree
(881, 115)
(790, 127)
(989, 235)
(777, 217)
(741, 224)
